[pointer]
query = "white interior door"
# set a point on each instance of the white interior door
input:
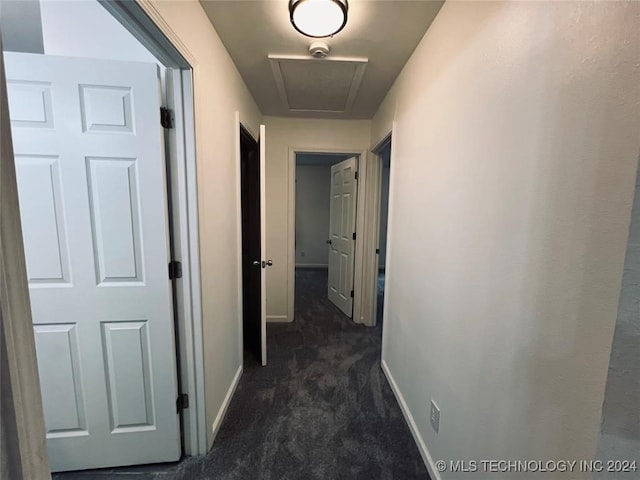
(263, 246)
(342, 227)
(89, 157)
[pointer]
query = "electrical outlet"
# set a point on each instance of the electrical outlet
(435, 416)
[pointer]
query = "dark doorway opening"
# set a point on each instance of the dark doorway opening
(385, 157)
(250, 207)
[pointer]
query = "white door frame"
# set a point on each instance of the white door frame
(291, 229)
(237, 124)
(188, 304)
(262, 149)
(371, 234)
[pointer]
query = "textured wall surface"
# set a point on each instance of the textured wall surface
(21, 23)
(513, 170)
(87, 29)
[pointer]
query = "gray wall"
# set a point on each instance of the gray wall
(68, 28)
(620, 430)
(313, 188)
(21, 24)
(503, 294)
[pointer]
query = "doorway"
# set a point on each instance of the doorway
(378, 183)
(251, 246)
(105, 178)
(319, 206)
(381, 251)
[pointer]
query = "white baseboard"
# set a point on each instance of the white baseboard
(225, 404)
(278, 319)
(422, 447)
(312, 265)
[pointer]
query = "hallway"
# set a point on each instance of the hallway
(321, 409)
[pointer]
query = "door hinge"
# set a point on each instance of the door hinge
(354, 235)
(175, 269)
(377, 251)
(166, 117)
(356, 176)
(182, 402)
(351, 293)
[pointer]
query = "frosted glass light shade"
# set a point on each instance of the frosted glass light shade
(318, 18)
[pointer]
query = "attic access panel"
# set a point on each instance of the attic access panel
(311, 85)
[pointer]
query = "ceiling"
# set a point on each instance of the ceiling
(365, 58)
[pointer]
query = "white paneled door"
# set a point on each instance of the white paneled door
(90, 165)
(342, 228)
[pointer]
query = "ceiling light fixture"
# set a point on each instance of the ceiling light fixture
(318, 18)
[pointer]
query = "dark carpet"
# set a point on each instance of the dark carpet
(321, 409)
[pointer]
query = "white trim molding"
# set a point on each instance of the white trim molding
(186, 249)
(240, 301)
(277, 319)
(422, 447)
(215, 427)
(361, 215)
(371, 234)
(150, 9)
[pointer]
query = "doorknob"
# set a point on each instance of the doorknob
(329, 242)
(263, 264)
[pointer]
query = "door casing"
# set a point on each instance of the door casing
(367, 229)
(291, 229)
(251, 241)
(371, 234)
